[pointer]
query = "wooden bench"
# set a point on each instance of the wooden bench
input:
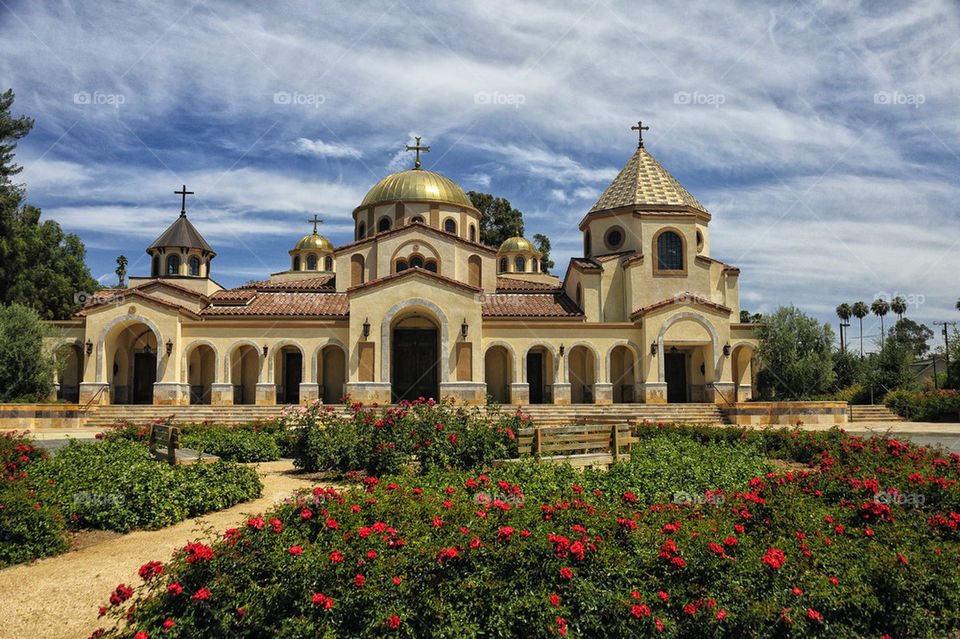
(581, 445)
(164, 442)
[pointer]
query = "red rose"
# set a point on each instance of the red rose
(322, 601)
(394, 621)
(167, 625)
(150, 570)
(721, 614)
(358, 581)
(555, 600)
(201, 595)
(566, 573)
(640, 610)
(296, 550)
(175, 588)
(814, 615)
(306, 513)
(336, 557)
(332, 524)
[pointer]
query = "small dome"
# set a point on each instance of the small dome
(416, 185)
(314, 241)
(517, 243)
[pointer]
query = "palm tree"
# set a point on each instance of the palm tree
(843, 312)
(899, 306)
(860, 310)
(121, 269)
(880, 308)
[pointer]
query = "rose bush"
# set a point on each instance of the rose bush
(836, 543)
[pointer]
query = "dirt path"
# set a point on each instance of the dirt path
(59, 596)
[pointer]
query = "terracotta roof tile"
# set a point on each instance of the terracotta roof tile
(510, 284)
(413, 272)
(585, 263)
(681, 298)
(555, 304)
(282, 303)
(322, 283)
(644, 182)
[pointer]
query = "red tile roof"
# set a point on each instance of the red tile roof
(555, 304)
(585, 263)
(510, 284)
(727, 268)
(414, 272)
(681, 298)
(283, 303)
(321, 283)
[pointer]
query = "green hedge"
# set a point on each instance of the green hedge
(249, 442)
(924, 407)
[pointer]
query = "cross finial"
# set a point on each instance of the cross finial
(640, 129)
(316, 220)
(418, 148)
(183, 200)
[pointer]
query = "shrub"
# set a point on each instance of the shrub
(926, 406)
(232, 443)
(26, 367)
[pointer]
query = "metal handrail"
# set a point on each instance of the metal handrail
(86, 406)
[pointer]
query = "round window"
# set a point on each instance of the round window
(614, 238)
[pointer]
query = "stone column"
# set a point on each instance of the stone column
(171, 393)
(309, 392)
(88, 390)
(744, 392)
(266, 394)
(368, 392)
(221, 394)
(722, 393)
(654, 392)
(520, 393)
(603, 393)
(561, 393)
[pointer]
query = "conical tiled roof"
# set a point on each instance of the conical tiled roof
(644, 182)
(181, 234)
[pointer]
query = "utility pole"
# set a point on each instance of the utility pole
(946, 348)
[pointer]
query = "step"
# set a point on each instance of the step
(872, 413)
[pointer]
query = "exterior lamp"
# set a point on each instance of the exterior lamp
(464, 327)
(562, 348)
(726, 350)
(89, 347)
(653, 348)
(264, 350)
(169, 347)
(366, 328)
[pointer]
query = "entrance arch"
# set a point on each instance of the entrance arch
(69, 372)
(538, 372)
(244, 373)
(201, 371)
(622, 373)
(130, 357)
(741, 359)
(332, 364)
(582, 368)
(415, 357)
(286, 370)
(498, 372)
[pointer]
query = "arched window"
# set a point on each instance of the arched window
(669, 252)
(155, 269)
(173, 265)
(520, 264)
(586, 244)
(311, 262)
(296, 263)
(328, 263)
(431, 265)
(450, 226)
(473, 233)
(383, 224)
(194, 265)
(416, 219)
(579, 294)
(503, 265)
(534, 265)
(361, 230)
(401, 265)
(416, 262)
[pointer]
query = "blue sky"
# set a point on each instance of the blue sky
(823, 137)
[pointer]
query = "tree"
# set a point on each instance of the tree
(958, 304)
(899, 306)
(913, 336)
(843, 312)
(880, 308)
(796, 355)
(543, 245)
(40, 266)
(26, 369)
(121, 270)
(848, 368)
(860, 310)
(498, 220)
(890, 370)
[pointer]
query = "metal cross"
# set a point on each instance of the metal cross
(316, 220)
(183, 200)
(640, 129)
(418, 148)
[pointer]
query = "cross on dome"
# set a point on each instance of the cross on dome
(316, 220)
(183, 200)
(418, 148)
(640, 129)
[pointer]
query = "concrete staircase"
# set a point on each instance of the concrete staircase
(872, 413)
(543, 414)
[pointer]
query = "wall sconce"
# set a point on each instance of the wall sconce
(561, 350)
(366, 328)
(726, 350)
(464, 328)
(169, 347)
(653, 348)
(89, 347)
(264, 350)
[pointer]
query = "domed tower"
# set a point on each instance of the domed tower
(180, 252)
(313, 252)
(518, 255)
(417, 196)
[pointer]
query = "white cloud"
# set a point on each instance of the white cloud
(325, 149)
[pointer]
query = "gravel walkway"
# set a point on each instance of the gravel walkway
(59, 596)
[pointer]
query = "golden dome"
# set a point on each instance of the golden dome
(416, 185)
(517, 243)
(314, 241)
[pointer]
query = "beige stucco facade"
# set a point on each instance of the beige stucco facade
(416, 306)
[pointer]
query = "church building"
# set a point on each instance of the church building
(416, 306)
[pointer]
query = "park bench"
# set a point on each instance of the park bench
(164, 442)
(581, 445)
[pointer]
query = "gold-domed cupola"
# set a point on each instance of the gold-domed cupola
(517, 254)
(313, 252)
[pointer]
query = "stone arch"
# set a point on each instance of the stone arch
(126, 319)
(69, 354)
(184, 362)
(333, 341)
(386, 343)
(742, 355)
(566, 357)
(623, 377)
(275, 350)
(686, 315)
(499, 381)
(629, 344)
(229, 353)
(553, 356)
(581, 375)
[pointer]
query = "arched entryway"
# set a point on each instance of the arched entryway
(131, 363)
(538, 369)
(583, 369)
(69, 372)
(622, 373)
(287, 372)
(201, 372)
(498, 373)
(244, 373)
(742, 358)
(414, 358)
(332, 373)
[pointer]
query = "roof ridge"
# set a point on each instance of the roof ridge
(643, 181)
